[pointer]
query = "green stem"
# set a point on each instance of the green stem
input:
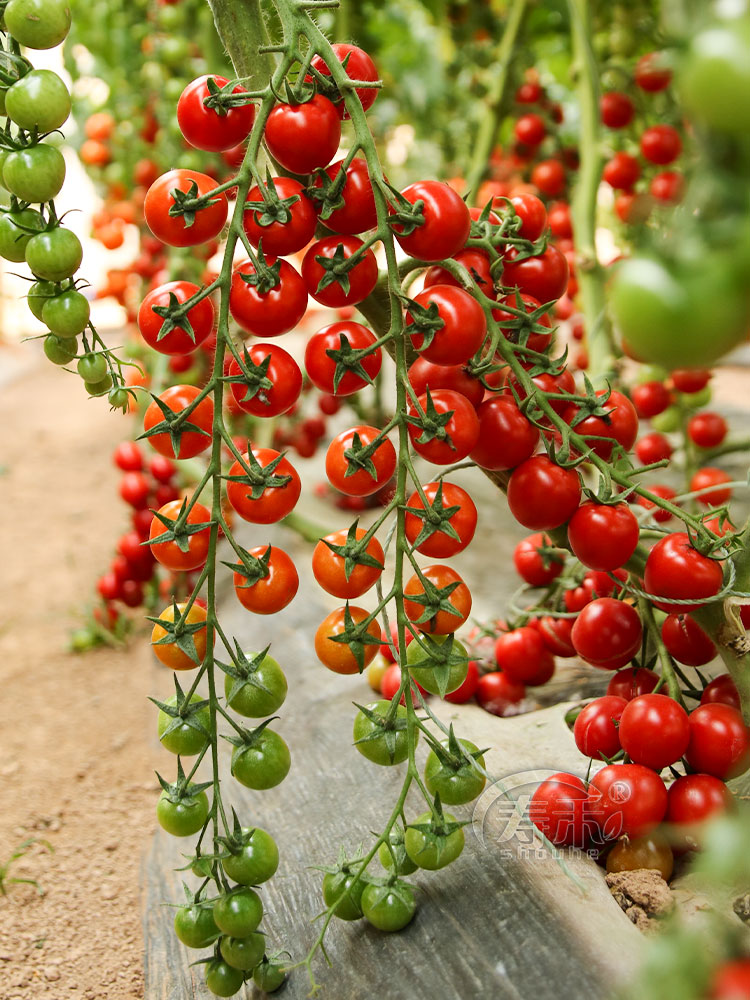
(242, 30)
(494, 108)
(583, 203)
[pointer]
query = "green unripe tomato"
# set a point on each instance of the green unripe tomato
(54, 255)
(98, 388)
(119, 398)
(222, 979)
(40, 100)
(251, 700)
(174, 51)
(263, 765)
(389, 908)
(59, 351)
(67, 314)
(422, 666)
(35, 174)
(668, 421)
(349, 906)
(39, 294)
(714, 77)
(256, 862)
(268, 976)
(183, 818)
(455, 785)
(13, 236)
(433, 852)
(695, 400)
(92, 367)
(381, 745)
(243, 953)
(195, 926)
(184, 740)
(38, 24)
(403, 863)
(174, 86)
(238, 913)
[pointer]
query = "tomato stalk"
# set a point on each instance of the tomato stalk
(495, 104)
(591, 278)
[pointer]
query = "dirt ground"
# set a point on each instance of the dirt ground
(77, 753)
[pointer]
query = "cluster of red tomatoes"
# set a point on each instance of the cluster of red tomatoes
(659, 144)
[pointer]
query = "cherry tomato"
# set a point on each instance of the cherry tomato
(535, 341)
(261, 504)
(544, 276)
(433, 850)
(177, 230)
(690, 380)
(652, 72)
(711, 479)
(596, 727)
(650, 398)
(686, 641)
(723, 690)
(524, 657)
(707, 430)
(438, 544)
(556, 635)
(466, 691)
(359, 66)
(506, 437)
(208, 128)
(632, 682)
(653, 447)
(674, 569)
(339, 656)
(423, 665)
(267, 313)
(199, 319)
(283, 373)
(731, 981)
(622, 171)
(532, 213)
(270, 593)
(423, 375)
(616, 109)
(654, 730)
(446, 222)
(302, 137)
(530, 129)
(191, 442)
(627, 800)
(169, 653)
(559, 809)
(692, 801)
(331, 570)
(450, 425)
(476, 262)
(719, 741)
(619, 424)
(651, 851)
(389, 907)
(463, 329)
(354, 285)
(603, 537)
(355, 474)
(661, 144)
(667, 186)
(171, 553)
(440, 621)
(666, 493)
(357, 212)
(549, 177)
(533, 564)
(542, 495)
(128, 457)
(497, 693)
(607, 633)
(286, 220)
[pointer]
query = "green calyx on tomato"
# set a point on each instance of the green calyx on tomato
(451, 770)
(438, 663)
(184, 725)
(261, 758)
(250, 856)
(183, 807)
(393, 854)
(255, 685)
(390, 906)
(380, 732)
(435, 839)
(194, 922)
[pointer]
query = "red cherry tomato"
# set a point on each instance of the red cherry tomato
(653, 447)
(330, 570)
(497, 693)
(690, 380)
(359, 66)
(632, 682)
(661, 144)
(616, 109)
(276, 500)
(439, 544)
(272, 312)
(207, 221)
(442, 622)
(559, 809)
(451, 432)
(650, 398)
(321, 368)
(666, 493)
(712, 479)
(178, 340)
(607, 633)
(191, 442)
(281, 370)
(523, 656)
(506, 437)
(446, 223)
(302, 137)
(423, 375)
(533, 565)
(212, 129)
(466, 691)
(686, 641)
(654, 730)
(284, 223)
(719, 741)
(351, 286)
(549, 177)
(676, 570)
(366, 474)
(707, 430)
(542, 495)
(692, 801)
(556, 635)
(271, 593)
(544, 276)
(596, 727)
(627, 800)
(603, 537)
(652, 72)
(622, 171)
(169, 553)
(618, 425)
(723, 690)
(358, 212)
(532, 213)
(463, 329)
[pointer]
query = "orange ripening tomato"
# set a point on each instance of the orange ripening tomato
(339, 656)
(169, 653)
(270, 593)
(329, 567)
(442, 622)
